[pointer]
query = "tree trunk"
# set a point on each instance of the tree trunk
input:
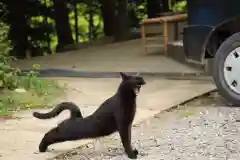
(63, 28)
(122, 29)
(108, 8)
(154, 7)
(18, 27)
(165, 6)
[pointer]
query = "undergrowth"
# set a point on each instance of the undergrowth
(20, 90)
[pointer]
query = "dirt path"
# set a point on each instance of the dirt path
(193, 132)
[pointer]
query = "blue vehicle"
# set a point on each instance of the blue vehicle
(213, 31)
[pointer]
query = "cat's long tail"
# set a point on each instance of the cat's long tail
(73, 108)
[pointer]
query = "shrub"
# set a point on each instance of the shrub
(180, 6)
(8, 75)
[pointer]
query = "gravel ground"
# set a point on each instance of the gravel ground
(203, 129)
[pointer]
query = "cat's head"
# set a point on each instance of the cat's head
(133, 83)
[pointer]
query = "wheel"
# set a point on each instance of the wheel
(226, 69)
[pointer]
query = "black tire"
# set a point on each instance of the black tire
(223, 51)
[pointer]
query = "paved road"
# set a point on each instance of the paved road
(119, 57)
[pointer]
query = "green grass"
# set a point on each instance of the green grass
(36, 97)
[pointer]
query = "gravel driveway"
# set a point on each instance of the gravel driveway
(204, 129)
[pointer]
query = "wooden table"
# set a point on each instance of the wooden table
(165, 20)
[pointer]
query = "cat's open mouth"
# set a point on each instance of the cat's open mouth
(137, 89)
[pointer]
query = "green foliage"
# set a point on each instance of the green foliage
(11, 78)
(171, 4)
(42, 37)
(42, 34)
(90, 24)
(180, 6)
(40, 21)
(35, 92)
(8, 75)
(137, 12)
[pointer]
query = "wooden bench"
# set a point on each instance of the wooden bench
(165, 20)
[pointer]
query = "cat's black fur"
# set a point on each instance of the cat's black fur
(115, 114)
(73, 108)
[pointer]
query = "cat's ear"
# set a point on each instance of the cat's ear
(124, 76)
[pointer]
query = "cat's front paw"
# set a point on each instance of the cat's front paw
(135, 151)
(133, 154)
(42, 148)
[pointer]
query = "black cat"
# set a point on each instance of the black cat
(115, 114)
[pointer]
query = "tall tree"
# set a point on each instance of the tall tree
(154, 7)
(18, 27)
(165, 6)
(39, 30)
(108, 8)
(63, 28)
(122, 28)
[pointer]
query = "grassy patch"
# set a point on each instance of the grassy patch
(39, 95)
(20, 90)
